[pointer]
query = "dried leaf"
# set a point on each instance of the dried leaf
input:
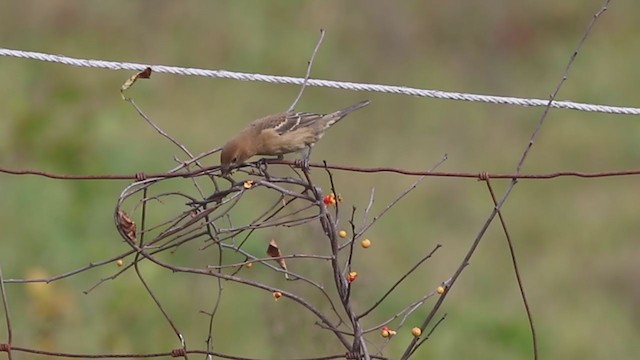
(126, 225)
(274, 251)
(144, 74)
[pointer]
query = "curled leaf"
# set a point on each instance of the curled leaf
(126, 226)
(274, 251)
(144, 74)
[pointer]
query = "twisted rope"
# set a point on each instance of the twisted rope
(403, 90)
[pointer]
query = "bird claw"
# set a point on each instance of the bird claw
(303, 164)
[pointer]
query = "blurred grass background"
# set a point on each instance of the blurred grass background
(577, 240)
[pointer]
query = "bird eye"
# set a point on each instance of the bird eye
(234, 160)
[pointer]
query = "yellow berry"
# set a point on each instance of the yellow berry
(440, 290)
(384, 333)
(352, 276)
(248, 184)
(416, 331)
(248, 265)
(277, 295)
(365, 243)
(342, 234)
(119, 262)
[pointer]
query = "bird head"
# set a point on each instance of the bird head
(234, 153)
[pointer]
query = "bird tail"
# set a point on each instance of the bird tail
(336, 116)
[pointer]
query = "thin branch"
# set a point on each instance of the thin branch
(144, 282)
(91, 265)
(7, 314)
(411, 347)
(366, 227)
(516, 270)
(430, 333)
(157, 128)
(564, 78)
(306, 78)
(463, 264)
(251, 283)
(399, 281)
(267, 259)
(216, 306)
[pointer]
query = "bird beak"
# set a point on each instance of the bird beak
(225, 170)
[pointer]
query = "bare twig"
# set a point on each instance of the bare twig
(7, 314)
(366, 227)
(411, 347)
(514, 261)
(399, 281)
(144, 282)
(306, 78)
(157, 128)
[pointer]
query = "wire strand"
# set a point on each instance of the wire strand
(353, 86)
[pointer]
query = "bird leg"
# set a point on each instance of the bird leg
(304, 162)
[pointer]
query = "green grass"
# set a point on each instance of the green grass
(576, 239)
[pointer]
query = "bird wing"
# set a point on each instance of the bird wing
(286, 122)
(293, 121)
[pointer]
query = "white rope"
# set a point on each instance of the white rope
(112, 65)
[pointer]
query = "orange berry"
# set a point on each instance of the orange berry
(386, 332)
(119, 262)
(365, 243)
(277, 295)
(351, 277)
(416, 331)
(330, 199)
(342, 234)
(440, 290)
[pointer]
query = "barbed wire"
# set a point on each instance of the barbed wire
(356, 169)
(354, 86)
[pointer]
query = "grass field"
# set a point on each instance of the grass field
(576, 239)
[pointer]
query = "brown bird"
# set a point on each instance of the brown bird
(280, 134)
